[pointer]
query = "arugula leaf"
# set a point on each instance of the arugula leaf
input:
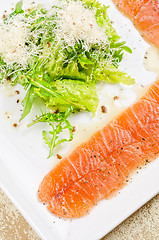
(51, 138)
(28, 102)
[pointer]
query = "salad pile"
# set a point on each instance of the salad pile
(59, 54)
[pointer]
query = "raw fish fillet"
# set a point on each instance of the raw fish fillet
(144, 15)
(100, 167)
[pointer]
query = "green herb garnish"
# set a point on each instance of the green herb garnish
(62, 71)
(51, 138)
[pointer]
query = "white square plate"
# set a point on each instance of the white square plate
(23, 156)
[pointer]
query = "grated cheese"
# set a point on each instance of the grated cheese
(75, 22)
(13, 37)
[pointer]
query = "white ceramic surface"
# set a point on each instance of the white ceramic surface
(23, 155)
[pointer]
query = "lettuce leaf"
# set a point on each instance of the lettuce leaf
(76, 91)
(88, 70)
(111, 74)
(102, 18)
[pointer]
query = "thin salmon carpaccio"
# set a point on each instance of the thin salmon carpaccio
(145, 16)
(100, 167)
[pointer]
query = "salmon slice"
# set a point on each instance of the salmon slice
(145, 16)
(100, 167)
(130, 7)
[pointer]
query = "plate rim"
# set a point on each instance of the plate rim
(12, 197)
(40, 234)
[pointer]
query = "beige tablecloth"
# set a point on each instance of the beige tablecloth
(142, 225)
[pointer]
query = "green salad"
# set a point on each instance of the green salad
(59, 54)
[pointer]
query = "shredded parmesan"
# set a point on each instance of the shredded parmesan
(13, 37)
(75, 22)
